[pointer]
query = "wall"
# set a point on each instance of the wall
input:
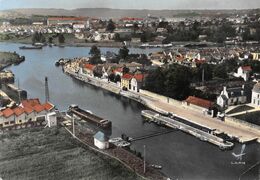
(241, 123)
(161, 97)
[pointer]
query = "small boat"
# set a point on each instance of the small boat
(156, 166)
(30, 47)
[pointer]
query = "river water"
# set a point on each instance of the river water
(181, 155)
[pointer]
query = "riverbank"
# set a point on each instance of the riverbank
(124, 156)
(73, 42)
(166, 105)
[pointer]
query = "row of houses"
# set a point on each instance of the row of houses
(30, 110)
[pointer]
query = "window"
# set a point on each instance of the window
(12, 122)
(20, 121)
(6, 123)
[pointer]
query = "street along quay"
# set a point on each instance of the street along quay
(173, 123)
(165, 105)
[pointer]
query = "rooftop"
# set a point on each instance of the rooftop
(199, 102)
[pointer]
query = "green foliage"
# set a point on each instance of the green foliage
(123, 52)
(61, 38)
(95, 51)
(95, 55)
(111, 26)
(173, 81)
(38, 37)
(220, 71)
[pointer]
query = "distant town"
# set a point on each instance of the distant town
(197, 74)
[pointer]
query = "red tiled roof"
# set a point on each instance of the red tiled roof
(28, 110)
(139, 77)
(18, 111)
(131, 19)
(30, 102)
(48, 106)
(89, 66)
(38, 108)
(247, 68)
(200, 61)
(199, 102)
(66, 18)
(1, 114)
(127, 76)
(8, 112)
(118, 70)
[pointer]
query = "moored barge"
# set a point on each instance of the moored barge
(89, 117)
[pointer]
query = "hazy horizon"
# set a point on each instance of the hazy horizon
(132, 4)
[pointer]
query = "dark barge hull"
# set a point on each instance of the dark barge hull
(87, 116)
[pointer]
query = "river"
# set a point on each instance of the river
(181, 155)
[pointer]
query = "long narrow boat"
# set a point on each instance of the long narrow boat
(30, 47)
(90, 117)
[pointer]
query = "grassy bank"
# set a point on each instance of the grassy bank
(53, 154)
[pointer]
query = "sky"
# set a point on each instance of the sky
(131, 4)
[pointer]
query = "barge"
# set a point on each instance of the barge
(30, 47)
(89, 117)
(202, 135)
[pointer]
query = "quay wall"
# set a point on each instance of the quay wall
(161, 97)
(240, 123)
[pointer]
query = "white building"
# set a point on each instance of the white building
(232, 96)
(243, 72)
(101, 140)
(51, 119)
(256, 95)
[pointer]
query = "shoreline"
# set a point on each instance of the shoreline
(114, 153)
(243, 135)
(87, 44)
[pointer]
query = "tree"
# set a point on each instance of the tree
(155, 81)
(61, 38)
(111, 26)
(220, 71)
(117, 37)
(117, 78)
(95, 51)
(95, 55)
(50, 39)
(123, 52)
(125, 70)
(135, 27)
(177, 83)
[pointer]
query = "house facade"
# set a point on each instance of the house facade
(101, 140)
(243, 72)
(126, 81)
(231, 96)
(256, 95)
(137, 82)
(28, 111)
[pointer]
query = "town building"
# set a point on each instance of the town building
(30, 110)
(87, 69)
(66, 20)
(199, 104)
(256, 95)
(101, 140)
(126, 81)
(232, 96)
(137, 82)
(243, 72)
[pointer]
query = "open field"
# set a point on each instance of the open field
(53, 154)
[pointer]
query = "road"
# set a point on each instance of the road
(244, 134)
